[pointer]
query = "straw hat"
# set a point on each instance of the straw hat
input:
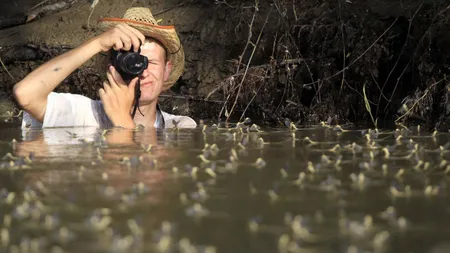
(142, 19)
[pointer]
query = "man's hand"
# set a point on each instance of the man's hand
(118, 98)
(121, 37)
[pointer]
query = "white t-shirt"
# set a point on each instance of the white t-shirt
(72, 110)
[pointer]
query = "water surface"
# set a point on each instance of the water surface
(224, 189)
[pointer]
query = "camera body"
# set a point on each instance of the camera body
(129, 64)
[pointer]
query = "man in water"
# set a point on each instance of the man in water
(138, 29)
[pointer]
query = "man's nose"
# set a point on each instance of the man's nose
(145, 73)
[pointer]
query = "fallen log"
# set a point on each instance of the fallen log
(30, 52)
(6, 22)
(36, 12)
(48, 9)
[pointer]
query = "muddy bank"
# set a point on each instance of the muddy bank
(337, 61)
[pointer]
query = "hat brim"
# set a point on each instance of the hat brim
(167, 35)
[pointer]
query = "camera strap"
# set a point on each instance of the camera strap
(137, 95)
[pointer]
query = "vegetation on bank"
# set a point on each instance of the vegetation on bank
(334, 61)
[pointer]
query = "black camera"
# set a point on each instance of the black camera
(129, 64)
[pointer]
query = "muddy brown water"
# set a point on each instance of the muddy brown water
(224, 189)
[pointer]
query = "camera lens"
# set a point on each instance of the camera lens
(134, 64)
(129, 64)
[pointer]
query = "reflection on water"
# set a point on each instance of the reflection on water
(214, 189)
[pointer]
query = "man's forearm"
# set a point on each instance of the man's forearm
(33, 90)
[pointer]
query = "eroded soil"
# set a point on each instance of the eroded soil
(341, 61)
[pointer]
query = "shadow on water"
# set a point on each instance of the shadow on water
(217, 189)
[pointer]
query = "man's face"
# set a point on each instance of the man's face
(157, 72)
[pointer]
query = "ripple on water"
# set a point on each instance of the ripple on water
(235, 188)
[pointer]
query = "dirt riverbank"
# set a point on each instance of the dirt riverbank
(337, 61)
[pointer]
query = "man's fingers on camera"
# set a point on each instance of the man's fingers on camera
(102, 94)
(132, 38)
(107, 87)
(135, 31)
(110, 83)
(110, 93)
(126, 41)
(139, 35)
(132, 84)
(117, 77)
(136, 43)
(118, 44)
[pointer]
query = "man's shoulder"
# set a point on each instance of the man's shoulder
(69, 96)
(182, 121)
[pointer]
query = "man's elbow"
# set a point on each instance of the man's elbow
(22, 97)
